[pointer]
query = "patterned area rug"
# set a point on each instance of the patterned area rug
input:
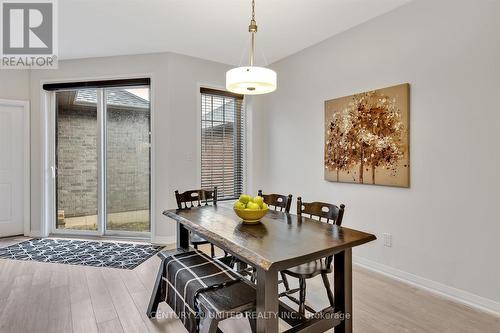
(79, 252)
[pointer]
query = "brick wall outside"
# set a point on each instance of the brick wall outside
(127, 160)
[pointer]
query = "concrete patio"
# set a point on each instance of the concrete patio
(137, 220)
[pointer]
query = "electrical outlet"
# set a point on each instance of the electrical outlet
(387, 239)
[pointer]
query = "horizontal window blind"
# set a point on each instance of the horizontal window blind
(222, 140)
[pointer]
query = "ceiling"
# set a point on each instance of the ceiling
(209, 29)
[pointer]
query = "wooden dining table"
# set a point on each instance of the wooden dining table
(280, 241)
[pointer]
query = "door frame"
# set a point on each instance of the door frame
(47, 104)
(26, 155)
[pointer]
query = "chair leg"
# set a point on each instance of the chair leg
(326, 282)
(158, 294)
(253, 321)
(302, 296)
(285, 281)
(195, 246)
(240, 266)
(212, 250)
(233, 264)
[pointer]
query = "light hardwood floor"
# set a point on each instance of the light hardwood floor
(44, 297)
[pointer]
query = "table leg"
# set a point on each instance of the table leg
(267, 301)
(343, 289)
(182, 237)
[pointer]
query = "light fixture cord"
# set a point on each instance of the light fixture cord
(253, 10)
(252, 28)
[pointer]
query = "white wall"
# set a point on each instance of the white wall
(445, 227)
(14, 84)
(175, 93)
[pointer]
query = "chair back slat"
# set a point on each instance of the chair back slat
(196, 198)
(321, 210)
(278, 202)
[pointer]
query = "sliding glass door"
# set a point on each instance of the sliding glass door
(103, 161)
(76, 160)
(127, 160)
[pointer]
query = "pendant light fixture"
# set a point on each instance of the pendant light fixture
(251, 80)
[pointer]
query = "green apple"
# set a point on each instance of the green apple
(259, 201)
(239, 205)
(253, 206)
(245, 198)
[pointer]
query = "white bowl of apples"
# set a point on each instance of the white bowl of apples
(250, 210)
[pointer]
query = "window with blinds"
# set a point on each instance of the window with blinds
(222, 140)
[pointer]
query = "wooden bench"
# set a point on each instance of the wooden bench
(215, 304)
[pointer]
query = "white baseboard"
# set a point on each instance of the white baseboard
(164, 240)
(451, 293)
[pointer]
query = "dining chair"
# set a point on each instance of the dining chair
(197, 198)
(326, 213)
(278, 202)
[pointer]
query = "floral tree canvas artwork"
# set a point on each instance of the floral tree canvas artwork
(367, 137)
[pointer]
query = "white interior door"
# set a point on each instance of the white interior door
(14, 167)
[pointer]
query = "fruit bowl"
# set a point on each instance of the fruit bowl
(251, 216)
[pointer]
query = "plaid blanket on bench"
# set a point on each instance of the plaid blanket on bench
(188, 274)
